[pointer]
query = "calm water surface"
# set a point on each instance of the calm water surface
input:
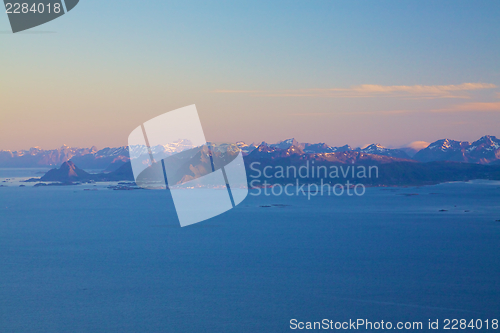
(116, 261)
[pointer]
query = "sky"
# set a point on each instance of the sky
(339, 72)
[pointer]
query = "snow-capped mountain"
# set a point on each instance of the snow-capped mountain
(112, 158)
(311, 148)
(245, 148)
(443, 150)
(322, 148)
(87, 158)
(265, 151)
(377, 149)
(37, 157)
(314, 148)
(485, 150)
(286, 144)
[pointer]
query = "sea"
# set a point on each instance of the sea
(87, 258)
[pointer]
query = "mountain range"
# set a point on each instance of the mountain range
(443, 160)
(486, 150)
(69, 173)
(390, 171)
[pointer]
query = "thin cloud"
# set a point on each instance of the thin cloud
(466, 107)
(238, 91)
(418, 145)
(326, 114)
(472, 107)
(313, 114)
(373, 90)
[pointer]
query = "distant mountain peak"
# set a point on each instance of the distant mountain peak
(69, 168)
(447, 144)
(487, 143)
(374, 146)
(490, 139)
(484, 151)
(285, 144)
(378, 149)
(289, 141)
(67, 172)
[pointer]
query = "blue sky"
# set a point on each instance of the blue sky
(338, 72)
